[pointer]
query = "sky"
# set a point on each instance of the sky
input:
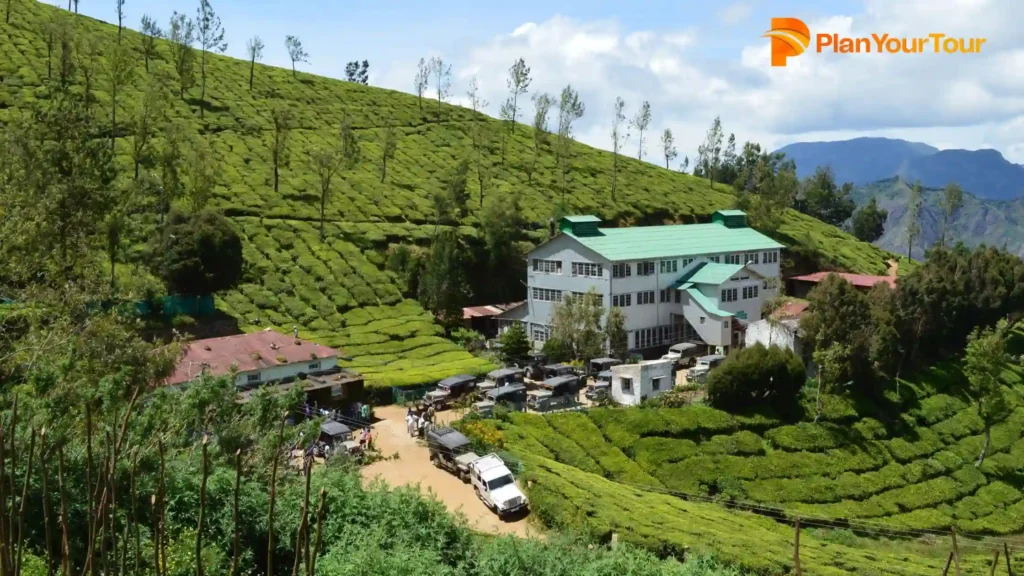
(691, 60)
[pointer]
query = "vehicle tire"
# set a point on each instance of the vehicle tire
(435, 461)
(464, 476)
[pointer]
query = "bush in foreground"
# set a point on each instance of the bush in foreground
(757, 375)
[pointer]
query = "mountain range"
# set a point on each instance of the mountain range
(984, 173)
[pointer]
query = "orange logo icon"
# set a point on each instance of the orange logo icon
(790, 37)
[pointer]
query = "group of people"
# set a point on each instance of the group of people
(418, 419)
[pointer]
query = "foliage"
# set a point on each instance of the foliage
(869, 222)
(838, 316)
(444, 289)
(514, 344)
(756, 375)
(984, 359)
(576, 323)
(198, 254)
(825, 200)
(615, 333)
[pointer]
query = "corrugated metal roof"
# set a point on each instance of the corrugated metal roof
(673, 241)
(714, 273)
(706, 303)
(861, 280)
(489, 310)
(731, 212)
(580, 219)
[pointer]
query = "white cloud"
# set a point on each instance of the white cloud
(964, 101)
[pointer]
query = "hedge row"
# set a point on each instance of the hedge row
(581, 430)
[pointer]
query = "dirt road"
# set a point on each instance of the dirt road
(413, 466)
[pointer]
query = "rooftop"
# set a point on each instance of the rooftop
(860, 280)
(793, 309)
(673, 241)
(710, 273)
(489, 310)
(245, 352)
(706, 303)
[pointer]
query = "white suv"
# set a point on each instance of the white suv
(495, 485)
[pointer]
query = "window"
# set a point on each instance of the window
(729, 295)
(313, 366)
(500, 481)
(656, 383)
(252, 377)
(687, 262)
(547, 266)
(752, 258)
(547, 295)
(665, 295)
(749, 292)
(540, 333)
(598, 297)
(621, 270)
(715, 259)
(587, 269)
(732, 259)
(645, 297)
(645, 268)
(622, 300)
(668, 266)
(627, 384)
(679, 296)
(771, 257)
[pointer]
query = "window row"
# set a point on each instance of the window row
(547, 295)
(622, 300)
(580, 295)
(729, 295)
(659, 335)
(771, 257)
(749, 292)
(540, 333)
(547, 266)
(587, 269)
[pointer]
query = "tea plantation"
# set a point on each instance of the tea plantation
(335, 290)
(908, 465)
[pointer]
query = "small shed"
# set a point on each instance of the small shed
(333, 432)
(632, 383)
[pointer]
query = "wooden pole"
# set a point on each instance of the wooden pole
(1006, 554)
(796, 548)
(238, 478)
(995, 562)
(949, 560)
(202, 509)
(956, 552)
(273, 497)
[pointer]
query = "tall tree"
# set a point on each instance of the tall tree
(326, 162)
(515, 345)
(120, 70)
(542, 107)
(149, 113)
(444, 287)
(89, 57)
(984, 361)
(576, 324)
(668, 146)
(518, 84)
(422, 80)
(615, 333)
(358, 72)
(570, 109)
(914, 215)
(823, 199)
(505, 115)
(500, 225)
(729, 169)
(282, 118)
(172, 157)
(349, 154)
(201, 170)
(684, 167)
(151, 32)
(254, 48)
(388, 146)
(442, 77)
(641, 121)
(181, 36)
(869, 222)
(709, 154)
(480, 132)
(295, 51)
(210, 33)
(120, 19)
(618, 139)
(952, 201)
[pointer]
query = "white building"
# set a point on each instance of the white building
(675, 283)
(257, 358)
(632, 383)
(783, 330)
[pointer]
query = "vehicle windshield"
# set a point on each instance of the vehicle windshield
(499, 482)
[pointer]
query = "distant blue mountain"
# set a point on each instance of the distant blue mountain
(984, 173)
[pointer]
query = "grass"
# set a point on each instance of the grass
(859, 463)
(336, 291)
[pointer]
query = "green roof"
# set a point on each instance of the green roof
(706, 303)
(709, 273)
(731, 212)
(674, 241)
(580, 219)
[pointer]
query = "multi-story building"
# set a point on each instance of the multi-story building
(675, 283)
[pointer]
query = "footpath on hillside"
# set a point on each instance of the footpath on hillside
(413, 467)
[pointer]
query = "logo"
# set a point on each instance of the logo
(790, 37)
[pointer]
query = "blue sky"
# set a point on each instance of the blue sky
(692, 60)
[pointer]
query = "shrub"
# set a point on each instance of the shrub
(805, 436)
(198, 254)
(757, 374)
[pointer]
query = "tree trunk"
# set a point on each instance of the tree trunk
(515, 98)
(984, 449)
(275, 176)
(323, 207)
(252, 71)
(640, 152)
(136, 169)
(113, 269)
(384, 169)
(145, 56)
(113, 118)
(202, 89)
(818, 401)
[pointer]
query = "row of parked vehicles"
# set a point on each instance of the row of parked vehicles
(491, 479)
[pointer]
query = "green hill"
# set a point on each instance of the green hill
(907, 466)
(337, 291)
(994, 222)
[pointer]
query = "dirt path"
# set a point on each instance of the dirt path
(894, 267)
(413, 466)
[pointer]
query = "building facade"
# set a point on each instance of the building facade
(688, 282)
(634, 383)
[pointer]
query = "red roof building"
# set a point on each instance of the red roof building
(801, 285)
(258, 357)
(471, 312)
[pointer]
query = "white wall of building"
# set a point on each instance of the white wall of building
(642, 378)
(273, 373)
(565, 249)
